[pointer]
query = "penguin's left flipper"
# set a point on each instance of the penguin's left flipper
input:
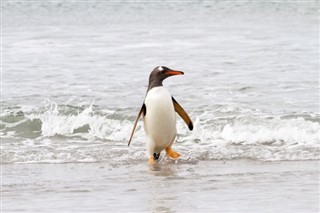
(182, 113)
(143, 111)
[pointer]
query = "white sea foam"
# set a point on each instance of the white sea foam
(276, 130)
(85, 123)
(92, 136)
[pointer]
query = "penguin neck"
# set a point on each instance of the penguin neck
(154, 83)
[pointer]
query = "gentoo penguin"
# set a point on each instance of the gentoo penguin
(159, 118)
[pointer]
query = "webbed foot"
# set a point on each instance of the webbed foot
(171, 153)
(152, 161)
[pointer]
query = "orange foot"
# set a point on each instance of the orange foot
(152, 161)
(171, 153)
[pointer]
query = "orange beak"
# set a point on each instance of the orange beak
(173, 72)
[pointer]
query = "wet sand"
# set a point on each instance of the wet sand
(208, 186)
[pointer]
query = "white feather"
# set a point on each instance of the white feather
(160, 120)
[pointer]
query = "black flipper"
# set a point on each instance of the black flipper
(182, 114)
(142, 110)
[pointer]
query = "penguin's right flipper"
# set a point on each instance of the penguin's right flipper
(142, 110)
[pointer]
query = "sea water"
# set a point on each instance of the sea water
(74, 76)
(75, 73)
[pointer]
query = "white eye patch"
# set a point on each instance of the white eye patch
(160, 68)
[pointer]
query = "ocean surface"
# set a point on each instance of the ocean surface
(75, 73)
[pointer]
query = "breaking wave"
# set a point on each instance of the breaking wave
(63, 134)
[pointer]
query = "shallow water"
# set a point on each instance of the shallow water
(209, 186)
(74, 75)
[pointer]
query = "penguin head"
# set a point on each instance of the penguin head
(159, 74)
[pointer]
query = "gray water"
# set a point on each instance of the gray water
(75, 73)
(210, 186)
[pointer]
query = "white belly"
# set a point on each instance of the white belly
(160, 120)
